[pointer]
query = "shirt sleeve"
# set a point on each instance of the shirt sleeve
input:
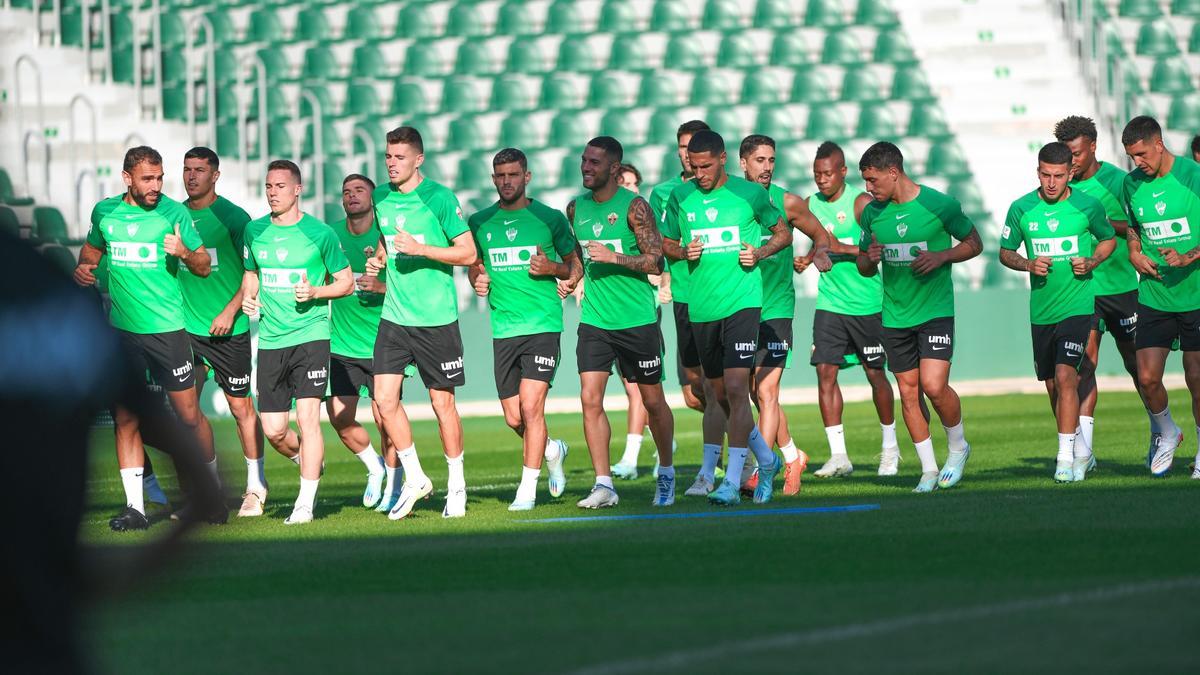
(332, 253)
(187, 229)
(864, 239)
(1011, 235)
(450, 215)
(765, 212)
(248, 261)
(1098, 222)
(235, 220)
(1128, 187)
(95, 235)
(671, 215)
(954, 220)
(564, 238)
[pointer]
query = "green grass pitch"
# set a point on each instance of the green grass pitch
(1008, 572)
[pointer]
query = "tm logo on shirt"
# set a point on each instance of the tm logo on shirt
(141, 256)
(718, 239)
(282, 279)
(903, 254)
(613, 245)
(511, 258)
(1168, 231)
(1056, 247)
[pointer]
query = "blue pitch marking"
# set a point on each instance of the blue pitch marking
(791, 511)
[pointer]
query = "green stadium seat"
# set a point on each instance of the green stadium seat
(875, 13)
(725, 15)
(517, 131)
(825, 122)
(561, 92)
(876, 121)
(70, 27)
(362, 99)
(265, 27)
(664, 123)
(425, 60)
(174, 102)
(417, 20)
(565, 18)
(910, 84)
(227, 104)
(514, 19)
(777, 14)
(463, 95)
(475, 58)
(892, 46)
(8, 194)
(311, 25)
(619, 16)
(684, 51)
(811, 86)
(1187, 8)
(1156, 38)
(569, 130)
(227, 67)
(660, 90)
(623, 127)
(332, 179)
(224, 32)
(277, 104)
(174, 66)
(1132, 81)
(276, 65)
(578, 56)
(61, 257)
(408, 98)
(825, 13)
(730, 124)
(763, 87)
(790, 49)
(672, 16)
(863, 85)
(569, 175)
(928, 121)
(331, 142)
(321, 64)
(528, 56)
(122, 64)
(738, 50)
(712, 90)
(1194, 40)
(1184, 112)
(369, 63)
(842, 48)
(946, 159)
(512, 93)
(467, 134)
(1139, 9)
(968, 194)
(1171, 76)
(227, 141)
(362, 24)
(279, 139)
(609, 90)
(474, 173)
(173, 31)
(629, 53)
(465, 20)
(121, 30)
(778, 122)
(49, 225)
(9, 223)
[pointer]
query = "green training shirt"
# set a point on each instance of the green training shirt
(283, 256)
(614, 297)
(926, 223)
(220, 226)
(143, 278)
(842, 290)
(724, 218)
(354, 319)
(1060, 231)
(1164, 211)
(678, 269)
(420, 291)
(506, 240)
(779, 295)
(1116, 274)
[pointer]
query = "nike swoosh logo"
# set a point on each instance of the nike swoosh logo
(744, 356)
(509, 222)
(651, 372)
(280, 239)
(585, 222)
(183, 379)
(456, 374)
(319, 384)
(232, 389)
(1049, 213)
(902, 217)
(775, 356)
(708, 201)
(873, 358)
(1072, 355)
(938, 349)
(1156, 195)
(544, 370)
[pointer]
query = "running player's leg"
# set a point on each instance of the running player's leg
(312, 457)
(530, 404)
(635, 417)
(391, 463)
(909, 384)
(595, 355)
(1066, 413)
(1088, 391)
(766, 395)
(1157, 331)
(885, 408)
(438, 354)
(393, 353)
(131, 459)
(935, 349)
(342, 411)
(662, 427)
(1191, 375)
(832, 341)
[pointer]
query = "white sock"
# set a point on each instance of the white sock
(412, 466)
(889, 435)
(955, 438)
(1080, 447)
(153, 491)
(1085, 433)
(131, 479)
(925, 453)
(256, 480)
(837, 440)
(212, 470)
(553, 450)
(633, 446)
(390, 487)
(790, 454)
(735, 463)
(372, 461)
(527, 490)
(456, 480)
(606, 481)
(308, 493)
(1163, 423)
(668, 471)
(295, 459)
(1066, 448)
(761, 448)
(708, 465)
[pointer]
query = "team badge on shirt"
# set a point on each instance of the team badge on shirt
(281, 253)
(612, 219)
(511, 233)
(711, 214)
(902, 230)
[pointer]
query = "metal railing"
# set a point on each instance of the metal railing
(73, 142)
(25, 135)
(318, 156)
(210, 78)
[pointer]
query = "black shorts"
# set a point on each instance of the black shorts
(685, 339)
(524, 357)
(637, 350)
(229, 358)
(1117, 315)
(774, 344)
(436, 350)
(1061, 343)
(301, 371)
(727, 343)
(905, 347)
(348, 376)
(166, 356)
(836, 336)
(1157, 328)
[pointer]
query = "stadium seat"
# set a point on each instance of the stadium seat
(825, 122)
(875, 13)
(425, 60)
(9, 224)
(619, 16)
(763, 87)
(629, 53)
(311, 25)
(1187, 8)
(369, 63)
(778, 122)
(276, 65)
(568, 173)
(513, 93)
(660, 90)
(672, 16)
(61, 257)
(579, 56)
(712, 90)
(842, 48)
(685, 52)
(474, 173)
(623, 127)
(810, 86)
(279, 139)
(172, 31)
(862, 84)
(928, 121)
(892, 47)
(517, 131)
(565, 18)
(408, 98)
(568, 130)
(725, 15)
(467, 21)
(561, 92)
(417, 20)
(466, 133)
(1156, 38)
(528, 56)
(609, 91)
(362, 24)
(70, 27)
(777, 14)
(1139, 9)
(946, 159)
(227, 141)
(224, 31)
(362, 99)
(228, 67)
(175, 67)
(324, 100)
(265, 27)
(910, 84)
(331, 143)
(738, 50)
(790, 49)
(174, 102)
(825, 13)
(475, 57)
(1171, 76)
(1194, 40)
(664, 123)
(463, 95)
(8, 195)
(731, 124)
(968, 194)
(277, 104)
(875, 122)
(1184, 112)
(515, 19)
(49, 225)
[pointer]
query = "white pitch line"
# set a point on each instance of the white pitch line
(681, 659)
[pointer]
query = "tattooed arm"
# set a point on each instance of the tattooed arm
(649, 240)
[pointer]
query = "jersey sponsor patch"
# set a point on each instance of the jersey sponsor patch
(212, 256)
(282, 278)
(133, 254)
(613, 245)
(1056, 247)
(718, 239)
(511, 258)
(391, 245)
(903, 254)
(1168, 231)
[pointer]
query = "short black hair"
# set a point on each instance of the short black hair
(706, 140)
(1070, 128)
(206, 154)
(285, 165)
(610, 146)
(142, 153)
(637, 175)
(358, 176)
(1140, 128)
(691, 127)
(829, 149)
(510, 155)
(751, 143)
(407, 136)
(882, 155)
(1055, 153)
(1195, 144)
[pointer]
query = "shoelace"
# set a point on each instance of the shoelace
(664, 484)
